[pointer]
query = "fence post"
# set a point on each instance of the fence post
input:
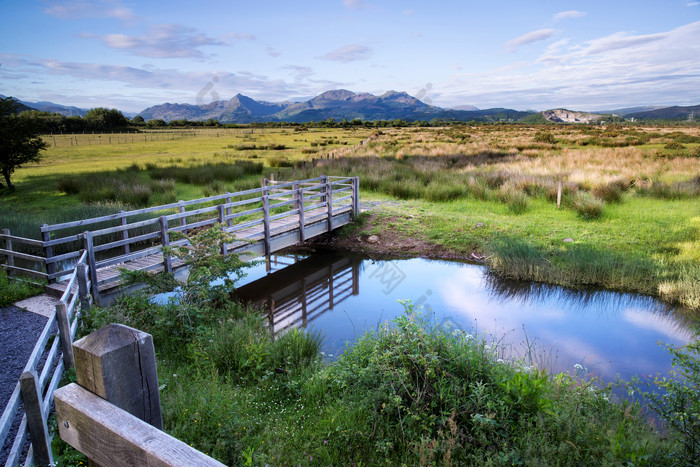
(266, 221)
(48, 252)
(118, 363)
(324, 181)
(228, 209)
(300, 207)
(181, 209)
(33, 408)
(64, 334)
(8, 246)
(165, 241)
(83, 291)
(355, 197)
(89, 247)
(222, 219)
(329, 192)
(125, 232)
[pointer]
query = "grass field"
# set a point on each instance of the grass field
(629, 195)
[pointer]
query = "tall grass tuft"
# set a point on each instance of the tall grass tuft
(587, 206)
(517, 259)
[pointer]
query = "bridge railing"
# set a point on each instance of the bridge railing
(44, 369)
(133, 235)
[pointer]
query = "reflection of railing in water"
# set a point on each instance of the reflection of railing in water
(300, 293)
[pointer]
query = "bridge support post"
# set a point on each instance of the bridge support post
(165, 241)
(125, 232)
(266, 222)
(89, 247)
(48, 252)
(355, 198)
(300, 207)
(329, 203)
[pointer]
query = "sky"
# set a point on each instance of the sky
(520, 54)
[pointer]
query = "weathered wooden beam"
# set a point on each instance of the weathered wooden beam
(64, 333)
(165, 241)
(118, 363)
(125, 233)
(8, 247)
(36, 422)
(83, 290)
(90, 249)
(266, 223)
(48, 252)
(111, 436)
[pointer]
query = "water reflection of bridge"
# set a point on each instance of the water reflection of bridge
(301, 292)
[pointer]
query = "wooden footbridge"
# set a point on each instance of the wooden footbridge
(262, 220)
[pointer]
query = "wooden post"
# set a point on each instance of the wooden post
(229, 222)
(300, 206)
(118, 363)
(559, 195)
(64, 333)
(165, 241)
(8, 246)
(324, 182)
(266, 222)
(89, 247)
(355, 198)
(33, 408)
(83, 291)
(125, 232)
(48, 251)
(329, 193)
(222, 220)
(264, 182)
(181, 210)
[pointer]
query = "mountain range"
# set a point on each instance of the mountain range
(338, 104)
(343, 104)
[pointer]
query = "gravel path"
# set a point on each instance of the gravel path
(19, 330)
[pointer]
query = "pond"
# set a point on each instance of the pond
(609, 334)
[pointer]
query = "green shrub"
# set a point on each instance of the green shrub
(677, 402)
(544, 137)
(674, 145)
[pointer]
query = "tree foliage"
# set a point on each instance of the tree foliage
(20, 142)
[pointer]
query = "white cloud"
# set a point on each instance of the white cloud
(408, 12)
(530, 37)
(693, 3)
(615, 70)
(348, 53)
(163, 41)
(354, 4)
(568, 14)
(75, 9)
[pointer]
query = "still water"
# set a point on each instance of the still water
(609, 334)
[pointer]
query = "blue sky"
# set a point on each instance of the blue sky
(537, 54)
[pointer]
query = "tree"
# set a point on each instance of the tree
(137, 119)
(102, 119)
(20, 142)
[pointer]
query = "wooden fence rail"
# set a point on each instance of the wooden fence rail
(35, 389)
(113, 414)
